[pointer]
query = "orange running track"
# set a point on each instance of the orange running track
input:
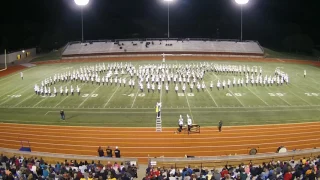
(144, 142)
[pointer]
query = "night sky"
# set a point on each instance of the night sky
(52, 23)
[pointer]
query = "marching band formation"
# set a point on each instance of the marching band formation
(154, 76)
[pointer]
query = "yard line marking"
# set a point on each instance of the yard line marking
(111, 97)
(280, 98)
(256, 95)
(303, 90)
(300, 97)
(236, 97)
(17, 73)
(61, 101)
(189, 107)
(88, 96)
(212, 97)
(24, 100)
(230, 91)
(14, 90)
(47, 98)
(39, 102)
(15, 93)
(135, 97)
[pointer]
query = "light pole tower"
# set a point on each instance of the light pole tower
(168, 1)
(81, 3)
(241, 3)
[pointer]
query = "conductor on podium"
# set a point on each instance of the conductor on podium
(158, 109)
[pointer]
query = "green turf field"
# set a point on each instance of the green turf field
(123, 106)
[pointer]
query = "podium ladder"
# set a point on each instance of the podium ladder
(158, 124)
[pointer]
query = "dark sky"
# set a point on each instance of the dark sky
(34, 22)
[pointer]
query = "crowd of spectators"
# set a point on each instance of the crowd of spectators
(16, 168)
(304, 169)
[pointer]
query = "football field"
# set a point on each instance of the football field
(114, 105)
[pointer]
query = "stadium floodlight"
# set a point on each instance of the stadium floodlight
(23, 51)
(81, 3)
(241, 3)
(168, 16)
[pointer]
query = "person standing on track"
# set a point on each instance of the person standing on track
(189, 123)
(62, 115)
(220, 126)
(109, 152)
(21, 74)
(180, 123)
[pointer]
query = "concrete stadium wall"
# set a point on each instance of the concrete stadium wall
(13, 56)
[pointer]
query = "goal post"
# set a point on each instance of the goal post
(5, 62)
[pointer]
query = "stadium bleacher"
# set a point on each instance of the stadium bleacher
(219, 47)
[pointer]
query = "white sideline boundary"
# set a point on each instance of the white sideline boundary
(143, 112)
(195, 107)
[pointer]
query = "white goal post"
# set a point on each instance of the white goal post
(5, 61)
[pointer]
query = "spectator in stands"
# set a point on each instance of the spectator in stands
(216, 175)
(100, 152)
(117, 152)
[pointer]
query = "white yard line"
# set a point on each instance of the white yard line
(235, 97)
(111, 97)
(14, 90)
(26, 89)
(135, 97)
(61, 101)
(303, 90)
(300, 97)
(16, 73)
(280, 97)
(185, 94)
(257, 96)
(212, 97)
(39, 102)
(89, 96)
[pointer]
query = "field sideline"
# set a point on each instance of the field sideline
(121, 106)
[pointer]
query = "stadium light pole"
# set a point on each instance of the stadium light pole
(81, 3)
(168, 1)
(241, 3)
